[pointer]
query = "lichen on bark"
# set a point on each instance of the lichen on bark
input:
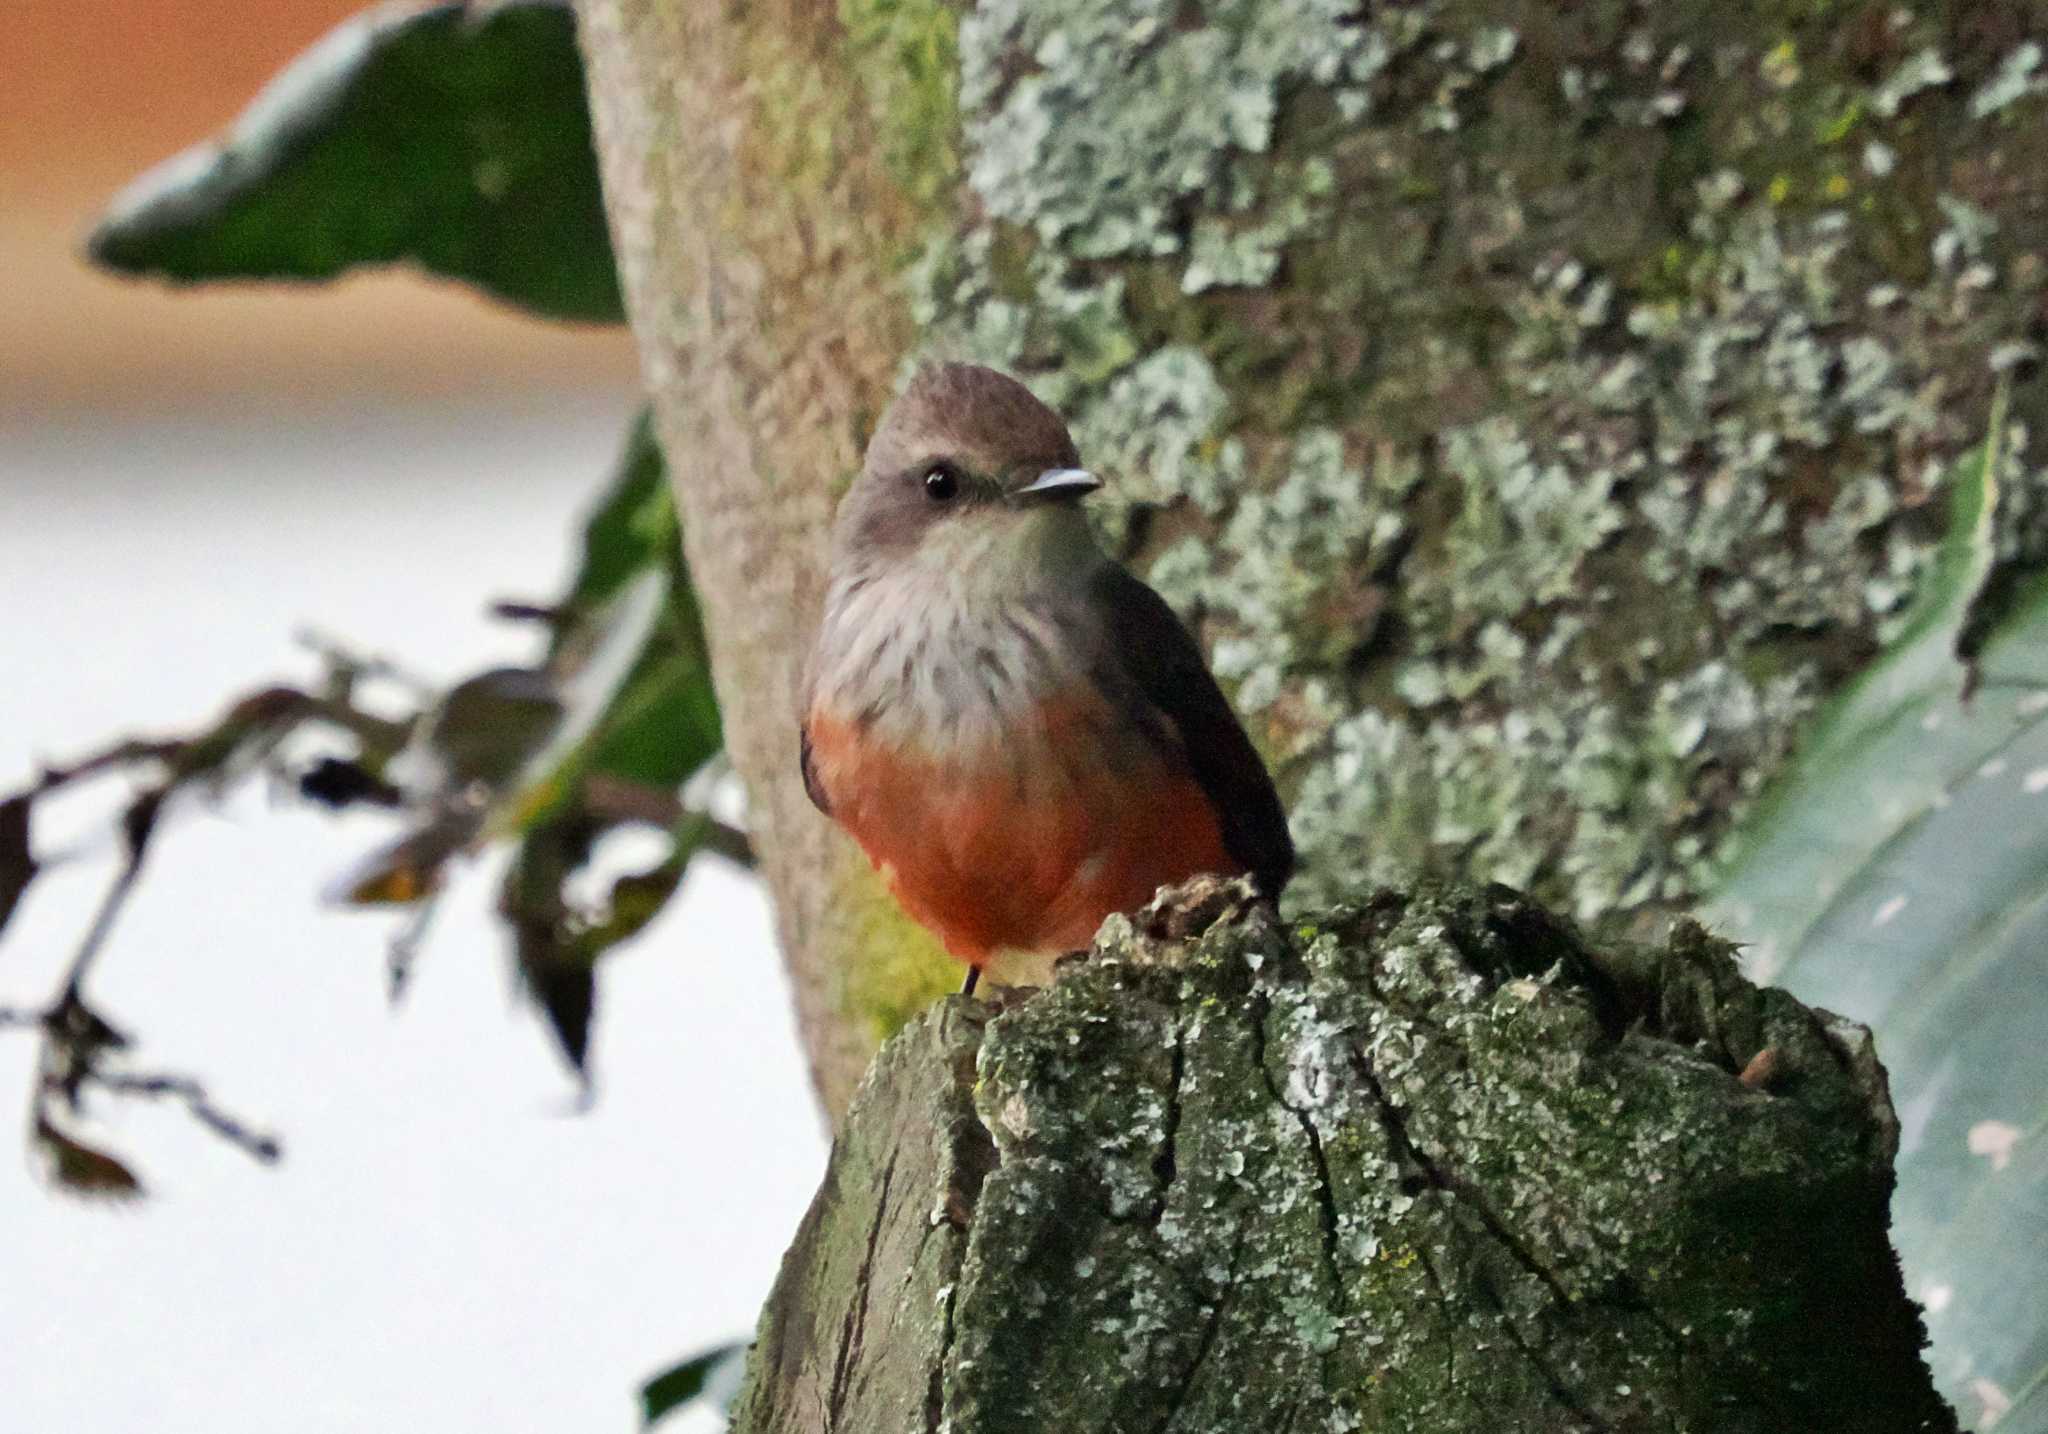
(1540, 409)
(1537, 409)
(1429, 1162)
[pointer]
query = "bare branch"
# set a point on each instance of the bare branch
(258, 1145)
(615, 800)
(138, 823)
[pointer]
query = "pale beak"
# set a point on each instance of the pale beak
(1060, 483)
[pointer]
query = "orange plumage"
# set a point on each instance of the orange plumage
(1024, 851)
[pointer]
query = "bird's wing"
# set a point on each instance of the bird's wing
(1158, 655)
(814, 787)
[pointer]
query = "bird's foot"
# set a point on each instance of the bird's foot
(1000, 999)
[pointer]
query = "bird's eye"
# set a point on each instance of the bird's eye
(941, 482)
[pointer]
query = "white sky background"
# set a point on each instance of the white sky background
(445, 1246)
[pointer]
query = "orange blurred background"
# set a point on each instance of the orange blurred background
(93, 94)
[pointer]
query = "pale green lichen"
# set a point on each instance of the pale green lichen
(1922, 71)
(1125, 111)
(1538, 442)
(2014, 81)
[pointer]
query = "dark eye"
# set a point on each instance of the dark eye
(941, 482)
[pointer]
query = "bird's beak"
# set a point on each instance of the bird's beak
(1060, 483)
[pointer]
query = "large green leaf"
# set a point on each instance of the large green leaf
(632, 526)
(659, 722)
(693, 1383)
(664, 723)
(639, 714)
(456, 138)
(1899, 875)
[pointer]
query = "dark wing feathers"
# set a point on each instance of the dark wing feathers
(812, 785)
(1152, 648)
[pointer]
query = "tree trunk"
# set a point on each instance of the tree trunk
(1537, 405)
(757, 240)
(1430, 1163)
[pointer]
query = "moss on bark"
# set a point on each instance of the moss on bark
(1426, 1163)
(1539, 406)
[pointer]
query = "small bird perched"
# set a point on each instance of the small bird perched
(1021, 735)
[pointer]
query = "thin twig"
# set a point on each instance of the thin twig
(730, 842)
(514, 610)
(345, 662)
(137, 824)
(378, 734)
(128, 752)
(255, 1143)
(614, 799)
(288, 705)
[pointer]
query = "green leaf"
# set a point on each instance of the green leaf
(662, 724)
(685, 1384)
(486, 728)
(84, 1169)
(565, 989)
(633, 526)
(552, 967)
(665, 724)
(637, 703)
(1870, 745)
(638, 897)
(556, 947)
(1899, 875)
(453, 138)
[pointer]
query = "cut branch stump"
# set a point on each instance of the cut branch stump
(1431, 1163)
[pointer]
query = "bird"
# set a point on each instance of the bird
(1021, 736)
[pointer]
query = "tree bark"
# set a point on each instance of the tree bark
(1537, 407)
(756, 235)
(1428, 1163)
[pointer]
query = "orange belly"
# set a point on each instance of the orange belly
(1027, 849)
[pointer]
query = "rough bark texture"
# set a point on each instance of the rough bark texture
(1540, 408)
(1430, 1163)
(756, 233)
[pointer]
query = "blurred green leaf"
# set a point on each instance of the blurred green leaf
(550, 758)
(662, 725)
(685, 1384)
(484, 729)
(454, 137)
(633, 526)
(83, 1169)
(630, 679)
(17, 860)
(665, 724)
(556, 947)
(553, 969)
(1900, 876)
(565, 989)
(638, 897)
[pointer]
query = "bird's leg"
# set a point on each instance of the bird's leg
(973, 977)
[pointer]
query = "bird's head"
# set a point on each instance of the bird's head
(966, 471)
